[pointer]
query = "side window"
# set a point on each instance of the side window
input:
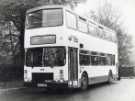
(91, 29)
(103, 60)
(84, 59)
(71, 20)
(109, 60)
(94, 60)
(82, 25)
(113, 59)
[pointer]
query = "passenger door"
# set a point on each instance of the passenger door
(73, 63)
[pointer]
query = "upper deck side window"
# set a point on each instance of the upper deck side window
(50, 17)
(71, 21)
(88, 26)
(82, 24)
(91, 28)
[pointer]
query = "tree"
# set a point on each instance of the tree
(8, 42)
(14, 11)
(110, 17)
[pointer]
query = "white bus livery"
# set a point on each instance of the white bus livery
(63, 49)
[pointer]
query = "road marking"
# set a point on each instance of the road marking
(9, 89)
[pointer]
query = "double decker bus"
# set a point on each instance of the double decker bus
(63, 49)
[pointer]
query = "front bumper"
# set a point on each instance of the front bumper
(47, 84)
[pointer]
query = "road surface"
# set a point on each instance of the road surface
(123, 90)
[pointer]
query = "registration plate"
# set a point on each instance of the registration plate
(41, 85)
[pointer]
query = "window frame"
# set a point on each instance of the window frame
(43, 54)
(84, 53)
(103, 59)
(76, 27)
(27, 22)
(84, 21)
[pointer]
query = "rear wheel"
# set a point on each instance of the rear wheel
(110, 77)
(84, 82)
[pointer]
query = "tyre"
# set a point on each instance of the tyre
(110, 77)
(118, 78)
(84, 82)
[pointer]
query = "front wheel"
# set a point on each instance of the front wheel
(84, 82)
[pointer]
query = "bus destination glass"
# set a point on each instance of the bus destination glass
(40, 40)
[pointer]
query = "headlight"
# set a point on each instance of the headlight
(61, 75)
(25, 74)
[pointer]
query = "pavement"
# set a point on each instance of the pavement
(10, 85)
(131, 77)
(16, 84)
(123, 90)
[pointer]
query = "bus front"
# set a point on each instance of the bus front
(45, 48)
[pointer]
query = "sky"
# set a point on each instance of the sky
(125, 7)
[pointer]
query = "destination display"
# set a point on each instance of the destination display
(40, 40)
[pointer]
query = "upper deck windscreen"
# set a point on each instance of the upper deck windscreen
(44, 18)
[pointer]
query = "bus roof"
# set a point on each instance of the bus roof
(100, 26)
(44, 7)
(63, 6)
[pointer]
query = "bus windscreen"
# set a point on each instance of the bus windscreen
(44, 18)
(49, 56)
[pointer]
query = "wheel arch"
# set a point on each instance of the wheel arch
(110, 72)
(84, 73)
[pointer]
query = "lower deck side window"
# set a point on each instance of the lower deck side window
(84, 59)
(96, 59)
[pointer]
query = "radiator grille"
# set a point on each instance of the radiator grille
(41, 77)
